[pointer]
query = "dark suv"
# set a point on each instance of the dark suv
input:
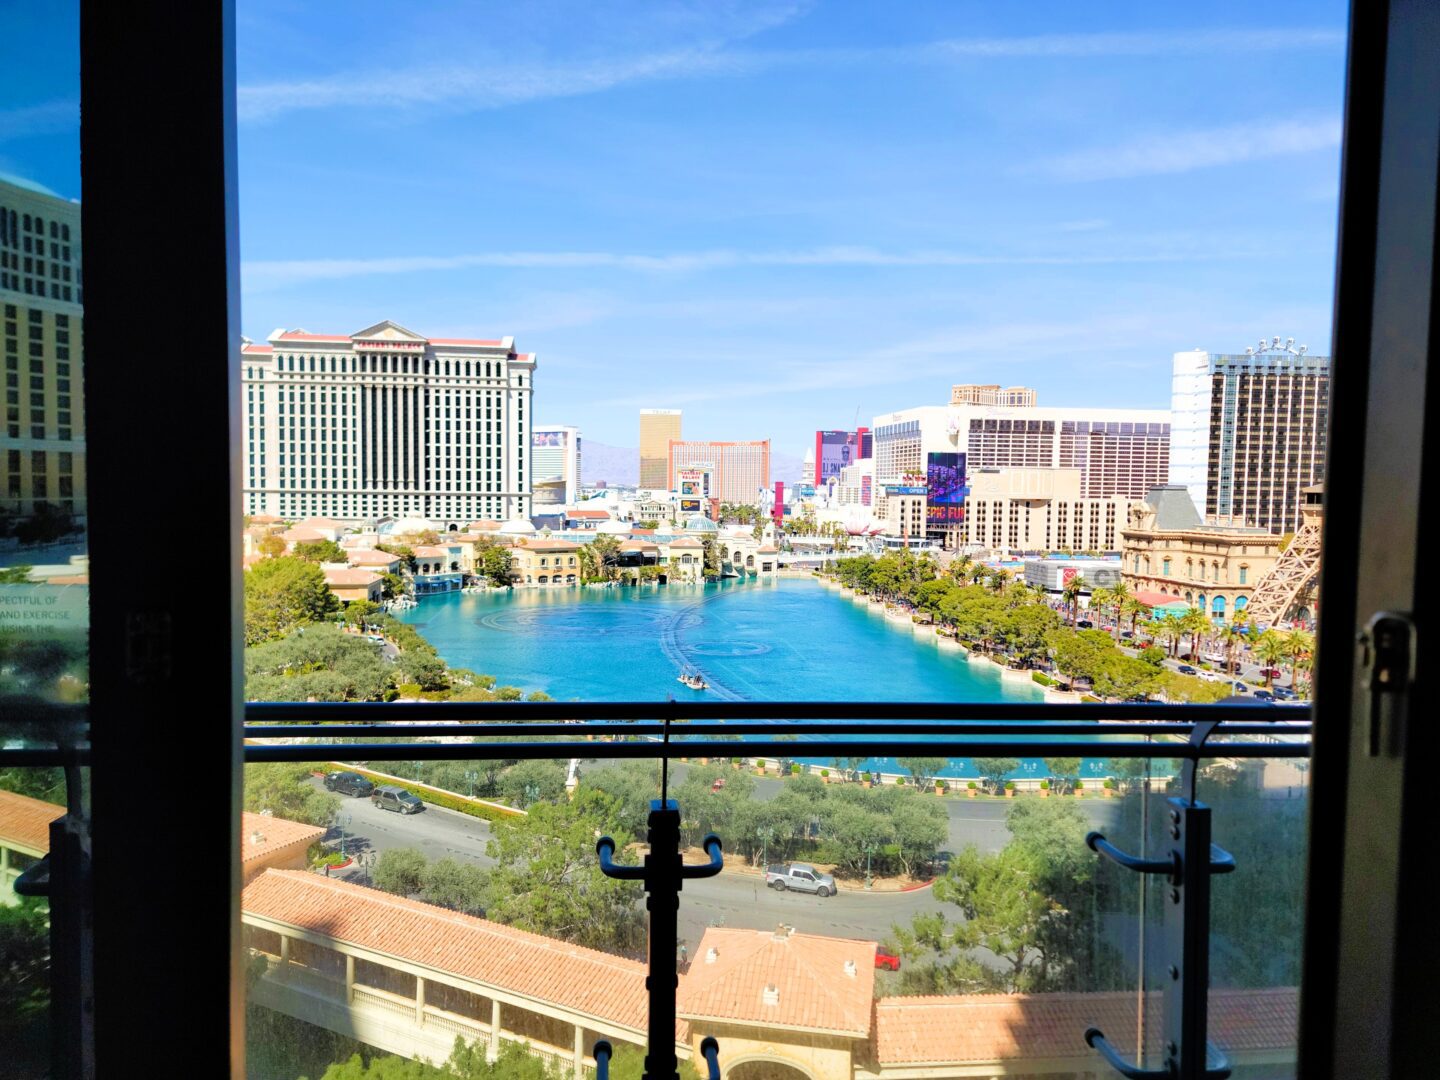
(348, 783)
(393, 798)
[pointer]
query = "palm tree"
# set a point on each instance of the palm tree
(1135, 608)
(1299, 645)
(1118, 595)
(960, 567)
(1194, 623)
(1270, 650)
(977, 572)
(1230, 635)
(1071, 592)
(998, 578)
(1099, 599)
(1168, 630)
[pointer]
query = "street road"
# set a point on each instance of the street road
(726, 900)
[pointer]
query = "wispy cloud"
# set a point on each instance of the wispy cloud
(492, 86)
(263, 275)
(46, 118)
(1180, 152)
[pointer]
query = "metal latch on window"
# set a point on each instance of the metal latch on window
(1388, 656)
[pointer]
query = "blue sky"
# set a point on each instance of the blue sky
(776, 214)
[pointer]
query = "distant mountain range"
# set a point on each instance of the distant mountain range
(620, 465)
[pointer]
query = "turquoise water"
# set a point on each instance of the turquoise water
(788, 639)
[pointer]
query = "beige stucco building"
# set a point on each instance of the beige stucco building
(43, 464)
(543, 562)
(1040, 510)
(1168, 549)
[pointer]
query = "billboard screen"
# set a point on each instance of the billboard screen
(833, 451)
(690, 506)
(945, 490)
(549, 439)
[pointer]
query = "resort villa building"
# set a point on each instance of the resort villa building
(1168, 550)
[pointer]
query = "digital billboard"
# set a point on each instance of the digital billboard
(945, 490)
(690, 506)
(545, 439)
(833, 451)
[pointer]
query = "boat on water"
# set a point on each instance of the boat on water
(694, 682)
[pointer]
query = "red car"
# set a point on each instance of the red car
(1272, 672)
(886, 959)
(718, 784)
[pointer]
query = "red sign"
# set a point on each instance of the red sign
(1067, 574)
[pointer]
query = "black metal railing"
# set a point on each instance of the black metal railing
(664, 730)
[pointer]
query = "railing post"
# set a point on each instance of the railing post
(1191, 861)
(492, 1052)
(349, 978)
(420, 1000)
(663, 874)
(579, 1052)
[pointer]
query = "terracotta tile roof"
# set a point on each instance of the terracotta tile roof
(349, 577)
(301, 335)
(248, 561)
(298, 535)
(643, 532)
(370, 557)
(550, 545)
(261, 835)
(686, 542)
(638, 545)
(813, 991)
(264, 519)
(996, 1027)
(767, 549)
(570, 976)
(484, 525)
(251, 348)
(588, 515)
(318, 523)
(25, 822)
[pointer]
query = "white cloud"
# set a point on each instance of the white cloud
(43, 119)
(1180, 152)
(262, 275)
(496, 85)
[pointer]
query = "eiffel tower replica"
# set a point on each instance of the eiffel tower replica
(1296, 571)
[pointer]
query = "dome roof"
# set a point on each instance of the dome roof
(698, 524)
(613, 528)
(405, 526)
(517, 526)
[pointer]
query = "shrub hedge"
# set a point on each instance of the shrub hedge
(447, 799)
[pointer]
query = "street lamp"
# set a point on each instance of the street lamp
(765, 833)
(869, 850)
(470, 777)
(342, 820)
(532, 792)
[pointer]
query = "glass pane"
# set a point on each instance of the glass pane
(443, 910)
(30, 799)
(44, 560)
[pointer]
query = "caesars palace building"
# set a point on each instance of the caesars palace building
(386, 423)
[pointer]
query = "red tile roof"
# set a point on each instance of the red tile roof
(262, 835)
(813, 989)
(489, 342)
(349, 577)
(996, 1027)
(263, 519)
(588, 515)
(25, 822)
(487, 524)
(569, 976)
(257, 348)
(298, 535)
(427, 551)
(685, 541)
(370, 557)
(550, 545)
(301, 335)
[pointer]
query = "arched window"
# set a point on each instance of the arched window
(1217, 607)
(1240, 602)
(1189, 568)
(1189, 598)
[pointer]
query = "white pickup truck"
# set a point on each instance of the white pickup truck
(799, 878)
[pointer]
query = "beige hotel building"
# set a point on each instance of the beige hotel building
(657, 428)
(43, 463)
(387, 423)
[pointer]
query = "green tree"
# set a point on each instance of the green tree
(24, 962)
(320, 551)
(1270, 650)
(533, 781)
(994, 770)
(456, 885)
(285, 790)
(317, 662)
(548, 880)
(400, 871)
(1072, 590)
(1081, 654)
(923, 769)
(919, 826)
(15, 575)
(1064, 771)
(281, 594)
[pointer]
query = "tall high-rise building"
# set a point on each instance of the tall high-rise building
(741, 469)
(43, 461)
(555, 465)
(1118, 451)
(387, 423)
(657, 428)
(1250, 432)
(1009, 397)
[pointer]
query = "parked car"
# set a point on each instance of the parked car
(1186, 669)
(1270, 672)
(799, 878)
(1085, 624)
(1239, 688)
(1283, 693)
(719, 784)
(397, 799)
(1126, 635)
(349, 783)
(884, 958)
(1264, 695)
